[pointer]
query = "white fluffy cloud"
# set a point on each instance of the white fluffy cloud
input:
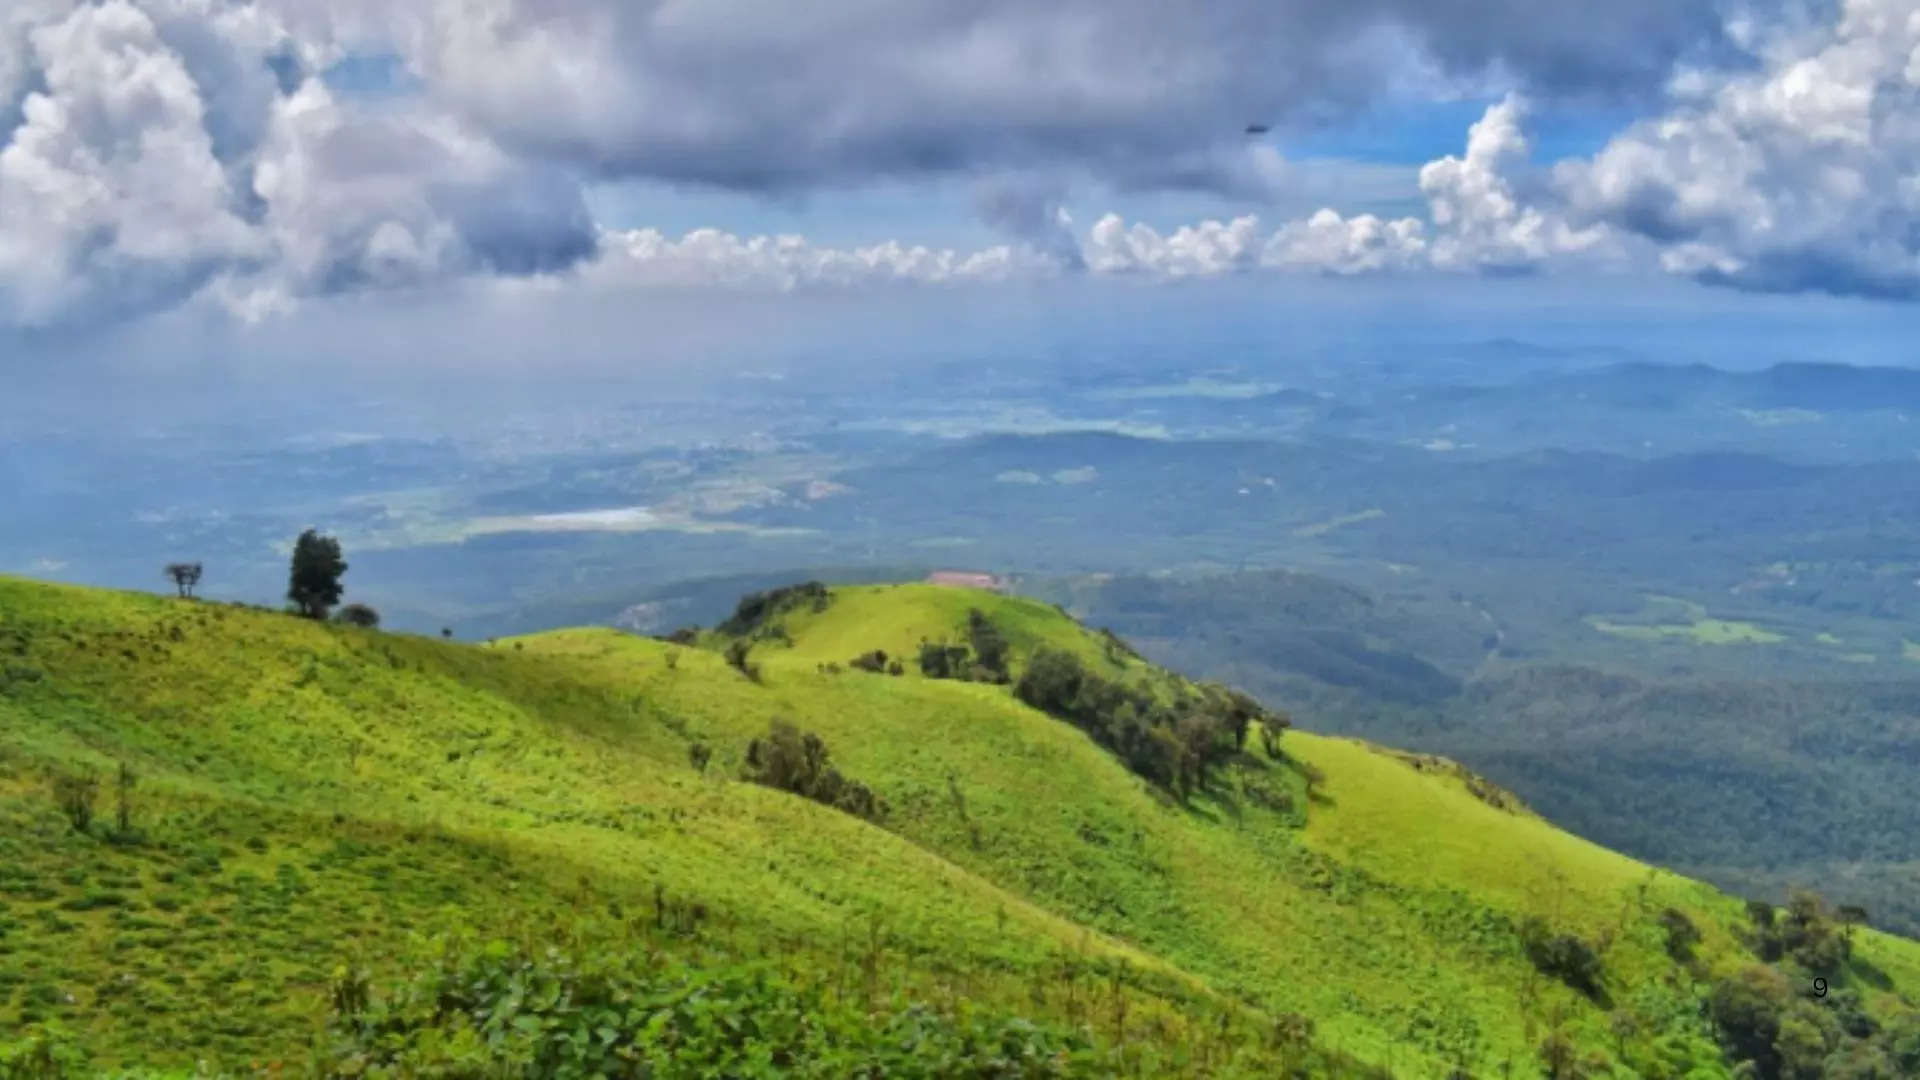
(110, 194)
(164, 147)
(1484, 216)
(155, 150)
(1330, 243)
(1202, 250)
(1802, 175)
(711, 257)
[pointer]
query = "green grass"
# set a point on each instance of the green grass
(1701, 632)
(1668, 618)
(310, 793)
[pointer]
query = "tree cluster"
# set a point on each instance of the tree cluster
(796, 761)
(983, 659)
(1175, 744)
(1803, 932)
(1776, 1023)
(755, 609)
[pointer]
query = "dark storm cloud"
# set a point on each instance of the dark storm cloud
(755, 94)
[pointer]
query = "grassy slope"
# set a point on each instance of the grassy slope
(307, 787)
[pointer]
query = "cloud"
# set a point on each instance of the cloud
(357, 198)
(1329, 243)
(111, 198)
(1030, 210)
(1798, 176)
(173, 146)
(760, 95)
(647, 258)
(1204, 250)
(153, 151)
(1486, 214)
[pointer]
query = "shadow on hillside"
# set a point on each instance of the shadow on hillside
(1869, 974)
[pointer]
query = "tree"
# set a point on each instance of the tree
(989, 644)
(313, 583)
(358, 615)
(1682, 935)
(737, 657)
(1747, 1009)
(185, 576)
(1850, 915)
(938, 660)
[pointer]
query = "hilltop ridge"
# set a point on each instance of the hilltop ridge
(309, 795)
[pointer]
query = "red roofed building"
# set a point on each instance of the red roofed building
(964, 579)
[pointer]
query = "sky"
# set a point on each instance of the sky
(651, 178)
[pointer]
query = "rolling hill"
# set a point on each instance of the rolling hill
(331, 833)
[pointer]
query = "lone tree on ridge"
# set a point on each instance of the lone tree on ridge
(185, 576)
(313, 583)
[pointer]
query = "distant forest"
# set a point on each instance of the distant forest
(1757, 784)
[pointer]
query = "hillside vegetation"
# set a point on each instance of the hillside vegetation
(355, 851)
(1756, 782)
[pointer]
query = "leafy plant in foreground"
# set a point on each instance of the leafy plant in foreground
(504, 1011)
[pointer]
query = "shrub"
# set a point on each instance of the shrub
(989, 645)
(1682, 935)
(124, 781)
(504, 1011)
(737, 657)
(698, 755)
(875, 661)
(1052, 681)
(792, 760)
(360, 615)
(938, 660)
(75, 795)
(1563, 956)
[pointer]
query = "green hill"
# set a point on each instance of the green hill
(314, 801)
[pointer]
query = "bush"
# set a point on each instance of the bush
(1563, 956)
(938, 660)
(1682, 935)
(358, 615)
(737, 657)
(796, 761)
(989, 645)
(75, 795)
(875, 661)
(501, 1011)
